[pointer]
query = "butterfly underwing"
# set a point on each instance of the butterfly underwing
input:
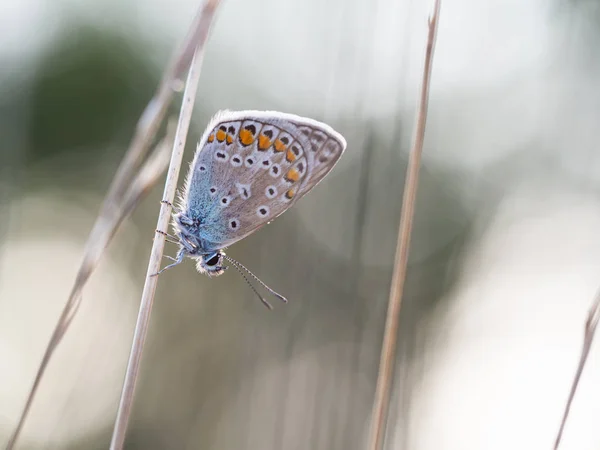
(249, 167)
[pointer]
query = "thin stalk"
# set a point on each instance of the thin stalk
(588, 337)
(388, 350)
(113, 210)
(141, 329)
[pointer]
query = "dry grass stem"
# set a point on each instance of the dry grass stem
(187, 107)
(388, 351)
(104, 231)
(114, 210)
(588, 337)
(150, 172)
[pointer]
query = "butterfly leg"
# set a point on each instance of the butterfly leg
(168, 237)
(179, 260)
(167, 202)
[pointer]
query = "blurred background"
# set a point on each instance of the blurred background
(505, 257)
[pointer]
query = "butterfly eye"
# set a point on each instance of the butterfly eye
(213, 191)
(249, 162)
(202, 168)
(233, 224)
(212, 261)
(225, 201)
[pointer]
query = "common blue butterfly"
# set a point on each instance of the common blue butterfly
(249, 167)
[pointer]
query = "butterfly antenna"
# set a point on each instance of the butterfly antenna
(239, 266)
(262, 299)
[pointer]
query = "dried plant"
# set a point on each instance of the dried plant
(388, 350)
(130, 184)
(156, 254)
(588, 337)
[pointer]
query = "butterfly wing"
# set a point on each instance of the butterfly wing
(251, 166)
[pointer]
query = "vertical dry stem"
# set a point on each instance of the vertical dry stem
(187, 107)
(388, 351)
(588, 337)
(113, 210)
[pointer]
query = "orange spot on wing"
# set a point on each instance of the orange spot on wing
(264, 142)
(221, 135)
(290, 194)
(246, 137)
(229, 139)
(211, 138)
(290, 156)
(279, 146)
(292, 175)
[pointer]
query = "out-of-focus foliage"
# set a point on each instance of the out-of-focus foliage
(87, 92)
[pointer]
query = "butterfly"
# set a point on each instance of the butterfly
(249, 168)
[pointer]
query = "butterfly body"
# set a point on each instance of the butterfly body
(249, 167)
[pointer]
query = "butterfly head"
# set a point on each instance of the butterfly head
(211, 264)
